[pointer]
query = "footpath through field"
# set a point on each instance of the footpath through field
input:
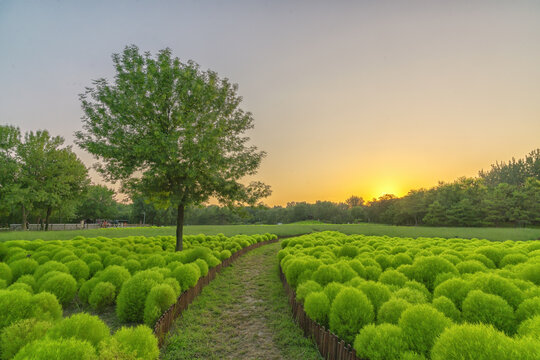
(242, 314)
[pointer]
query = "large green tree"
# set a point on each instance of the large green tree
(172, 132)
(9, 168)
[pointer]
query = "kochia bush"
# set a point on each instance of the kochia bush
(391, 311)
(131, 300)
(326, 274)
(421, 325)
(317, 307)
(63, 286)
(20, 333)
(480, 307)
(102, 296)
(80, 326)
(130, 343)
(380, 342)
(59, 349)
(160, 298)
(187, 275)
(426, 269)
(350, 311)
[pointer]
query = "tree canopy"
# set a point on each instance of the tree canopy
(172, 132)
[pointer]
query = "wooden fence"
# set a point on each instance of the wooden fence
(165, 322)
(330, 345)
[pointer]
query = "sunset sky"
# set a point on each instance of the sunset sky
(349, 97)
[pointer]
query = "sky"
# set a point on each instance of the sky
(348, 97)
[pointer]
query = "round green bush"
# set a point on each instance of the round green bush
(102, 296)
(530, 272)
(130, 343)
(48, 267)
(225, 254)
(497, 285)
(471, 267)
(132, 297)
(454, 289)
(15, 305)
(326, 274)
(358, 268)
(530, 327)
(426, 269)
(331, 290)
(63, 286)
(411, 295)
(173, 283)
(3, 284)
(306, 288)
(23, 267)
(132, 265)
(21, 286)
(203, 266)
(528, 309)
(5, 273)
(391, 311)
(479, 307)
(421, 325)
(116, 275)
(29, 280)
(60, 349)
(160, 298)
(372, 272)
(78, 269)
(472, 342)
(380, 342)
(80, 326)
(350, 311)
(393, 277)
(411, 355)
(87, 287)
(317, 307)
(377, 293)
(513, 259)
(187, 275)
(20, 333)
(447, 307)
(45, 306)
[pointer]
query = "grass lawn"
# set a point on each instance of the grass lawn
(495, 234)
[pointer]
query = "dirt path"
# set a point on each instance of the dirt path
(242, 314)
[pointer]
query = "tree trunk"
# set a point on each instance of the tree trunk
(47, 218)
(180, 228)
(24, 218)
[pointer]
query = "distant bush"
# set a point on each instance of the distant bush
(393, 277)
(426, 269)
(306, 288)
(530, 327)
(20, 333)
(23, 267)
(102, 296)
(454, 289)
(29, 280)
(160, 298)
(130, 343)
(317, 307)
(489, 309)
(512, 259)
(497, 285)
(116, 275)
(472, 342)
(350, 311)
(48, 267)
(131, 300)
(380, 342)
(471, 267)
(530, 272)
(331, 290)
(59, 349)
(187, 275)
(421, 325)
(326, 274)
(78, 269)
(391, 311)
(5, 273)
(63, 286)
(203, 266)
(411, 295)
(447, 307)
(80, 326)
(377, 293)
(225, 254)
(132, 265)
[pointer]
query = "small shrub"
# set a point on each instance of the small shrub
(411, 295)
(528, 309)
(530, 327)
(80, 326)
(497, 285)
(203, 266)
(132, 297)
(20, 333)
(454, 289)
(377, 293)
(391, 311)
(350, 311)
(447, 307)
(225, 254)
(513, 259)
(173, 283)
(60, 349)
(426, 269)
(48, 267)
(29, 280)
(421, 325)
(331, 290)
(471, 267)
(472, 342)
(160, 298)
(306, 288)
(116, 275)
(326, 274)
(380, 342)
(530, 272)
(489, 309)
(78, 269)
(130, 343)
(5, 273)
(21, 286)
(187, 275)
(132, 265)
(45, 306)
(102, 296)
(63, 286)
(317, 307)
(393, 277)
(23, 267)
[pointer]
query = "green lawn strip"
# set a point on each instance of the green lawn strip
(242, 314)
(495, 234)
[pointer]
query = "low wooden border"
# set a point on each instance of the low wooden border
(330, 345)
(166, 320)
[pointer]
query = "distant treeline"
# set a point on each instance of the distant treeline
(508, 194)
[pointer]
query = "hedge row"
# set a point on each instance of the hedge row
(420, 298)
(140, 276)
